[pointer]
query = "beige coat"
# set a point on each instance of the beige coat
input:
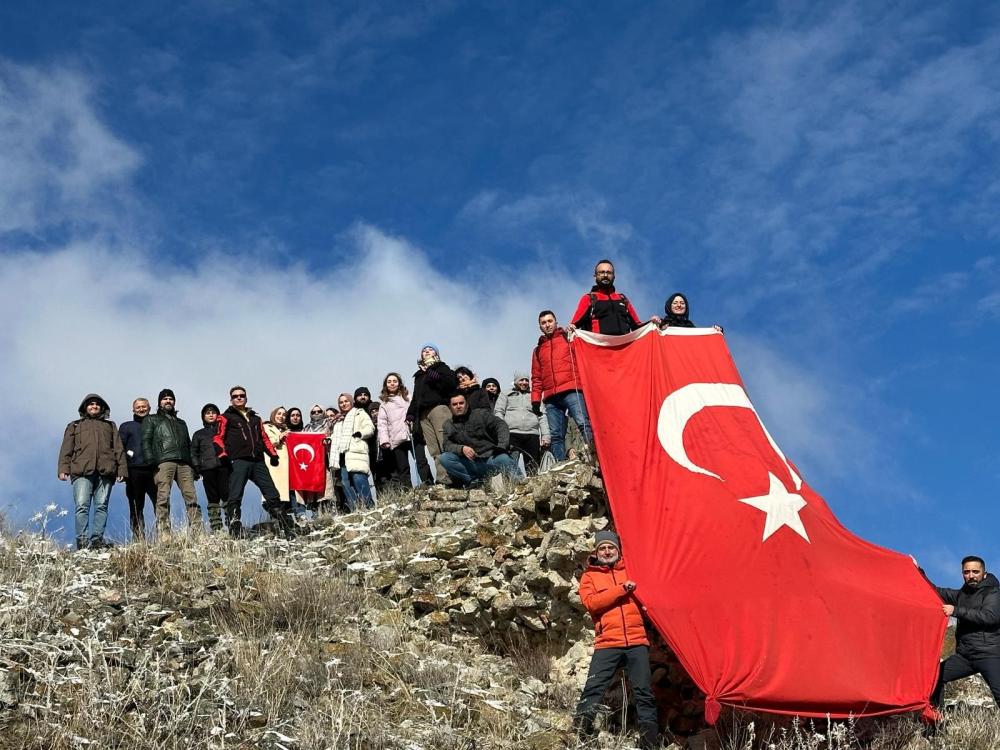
(279, 473)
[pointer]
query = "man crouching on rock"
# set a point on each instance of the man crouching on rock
(620, 637)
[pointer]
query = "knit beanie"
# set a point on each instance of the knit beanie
(164, 393)
(519, 374)
(431, 346)
(606, 535)
(363, 390)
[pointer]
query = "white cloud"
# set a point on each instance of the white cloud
(56, 153)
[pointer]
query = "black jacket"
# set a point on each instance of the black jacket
(131, 435)
(204, 454)
(978, 613)
(477, 397)
(242, 437)
(479, 429)
(165, 438)
(431, 387)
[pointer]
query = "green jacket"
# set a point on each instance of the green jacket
(165, 438)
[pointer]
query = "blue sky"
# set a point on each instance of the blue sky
(334, 185)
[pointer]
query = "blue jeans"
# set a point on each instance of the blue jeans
(89, 488)
(356, 488)
(556, 408)
(465, 471)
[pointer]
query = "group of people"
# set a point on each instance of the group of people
(470, 431)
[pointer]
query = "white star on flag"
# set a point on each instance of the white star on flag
(782, 508)
(303, 467)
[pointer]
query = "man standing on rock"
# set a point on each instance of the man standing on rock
(976, 606)
(554, 383)
(604, 309)
(91, 457)
(166, 443)
(140, 481)
(242, 440)
(609, 596)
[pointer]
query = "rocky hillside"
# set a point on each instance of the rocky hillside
(443, 619)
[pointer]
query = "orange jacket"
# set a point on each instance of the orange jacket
(616, 614)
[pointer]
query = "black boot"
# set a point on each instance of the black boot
(649, 736)
(236, 529)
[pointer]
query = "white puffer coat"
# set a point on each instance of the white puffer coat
(355, 450)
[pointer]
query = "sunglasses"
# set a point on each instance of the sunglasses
(317, 411)
(238, 395)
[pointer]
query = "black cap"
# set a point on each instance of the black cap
(164, 393)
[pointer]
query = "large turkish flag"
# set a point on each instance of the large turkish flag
(768, 601)
(306, 461)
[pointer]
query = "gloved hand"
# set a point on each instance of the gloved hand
(274, 461)
(356, 435)
(536, 408)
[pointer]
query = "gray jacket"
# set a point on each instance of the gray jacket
(514, 408)
(486, 434)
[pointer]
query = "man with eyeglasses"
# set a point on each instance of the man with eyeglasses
(604, 309)
(243, 441)
(166, 443)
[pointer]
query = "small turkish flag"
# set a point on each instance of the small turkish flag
(306, 461)
(768, 601)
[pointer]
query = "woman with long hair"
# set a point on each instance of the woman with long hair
(393, 431)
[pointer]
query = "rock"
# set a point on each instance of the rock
(423, 566)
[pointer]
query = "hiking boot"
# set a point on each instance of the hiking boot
(236, 529)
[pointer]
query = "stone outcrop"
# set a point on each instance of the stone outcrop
(483, 583)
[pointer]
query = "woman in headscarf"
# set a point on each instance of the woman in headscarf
(349, 452)
(393, 431)
(677, 313)
(277, 430)
(294, 419)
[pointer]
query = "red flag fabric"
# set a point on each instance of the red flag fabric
(768, 601)
(306, 461)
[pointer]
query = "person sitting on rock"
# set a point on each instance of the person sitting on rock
(620, 638)
(476, 444)
(492, 388)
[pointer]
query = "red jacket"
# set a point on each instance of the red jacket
(552, 367)
(616, 614)
(606, 312)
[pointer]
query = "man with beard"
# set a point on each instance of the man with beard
(620, 638)
(166, 443)
(476, 445)
(976, 606)
(140, 481)
(604, 309)
(91, 457)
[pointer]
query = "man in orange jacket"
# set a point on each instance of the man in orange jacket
(620, 637)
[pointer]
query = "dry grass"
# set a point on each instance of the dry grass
(306, 660)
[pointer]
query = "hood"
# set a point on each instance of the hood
(989, 582)
(105, 409)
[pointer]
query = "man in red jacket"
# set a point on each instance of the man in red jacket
(554, 383)
(604, 309)
(620, 637)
